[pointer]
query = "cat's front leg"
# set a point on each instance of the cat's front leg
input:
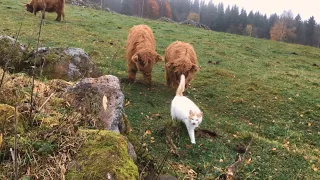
(191, 135)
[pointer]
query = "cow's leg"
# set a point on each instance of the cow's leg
(168, 79)
(43, 14)
(58, 17)
(132, 71)
(147, 78)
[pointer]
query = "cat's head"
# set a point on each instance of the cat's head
(195, 118)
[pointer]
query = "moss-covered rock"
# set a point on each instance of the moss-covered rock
(7, 119)
(63, 63)
(11, 53)
(104, 155)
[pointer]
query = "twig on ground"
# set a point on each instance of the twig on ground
(232, 169)
(35, 63)
(15, 143)
(172, 146)
(140, 177)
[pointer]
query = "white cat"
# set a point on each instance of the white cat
(183, 109)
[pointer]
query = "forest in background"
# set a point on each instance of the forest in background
(231, 19)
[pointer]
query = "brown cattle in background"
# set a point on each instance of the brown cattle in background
(141, 52)
(48, 5)
(180, 58)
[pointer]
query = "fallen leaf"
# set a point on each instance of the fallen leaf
(248, 161)
(155, 115)
(127, 103)
(147, 132)
(314, 168)
(301, 115)
(105, 102)
(309, 124)
(221, 160)
(274, 149)
(188, 146)
(297, 95)
(305, 157)
(1, 136)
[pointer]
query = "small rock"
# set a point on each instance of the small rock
(166, 20)
(195, 24)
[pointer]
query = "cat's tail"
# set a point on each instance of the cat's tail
(181, 86)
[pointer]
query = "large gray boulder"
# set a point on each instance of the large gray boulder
(87, 97)
(64, 63)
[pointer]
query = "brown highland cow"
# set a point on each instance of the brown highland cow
(180, 58)
(48, 5)
(141, 52)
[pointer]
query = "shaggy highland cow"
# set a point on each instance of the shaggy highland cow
(141, 52)
(48, 5)
(180, 58)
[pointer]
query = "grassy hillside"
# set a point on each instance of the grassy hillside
(260, 89)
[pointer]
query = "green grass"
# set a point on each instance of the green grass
(259, 90)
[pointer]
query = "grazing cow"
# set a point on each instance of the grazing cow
(141, 52)
(48, 5)
(180, 58)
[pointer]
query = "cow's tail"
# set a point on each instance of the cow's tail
(181, 86)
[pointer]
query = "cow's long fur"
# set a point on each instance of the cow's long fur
(180, 58)
(141, 52)
(48, 5)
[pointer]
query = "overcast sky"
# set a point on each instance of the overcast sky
(306, 8)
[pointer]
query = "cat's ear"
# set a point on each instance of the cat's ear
(190, 113)
(199, 115)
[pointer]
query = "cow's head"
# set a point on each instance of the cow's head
(29, 8)
(145, 59)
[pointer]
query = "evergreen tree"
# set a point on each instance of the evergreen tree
(310, 27)
(317, 36)
(299, 30)
(126, 8)
(217, 23)
(180, 9)
(235, 25)
(114, 5)
(243, 18)
(227, 19)
(204, 19)
(195, 6)
(208, 13)
(250, 18)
